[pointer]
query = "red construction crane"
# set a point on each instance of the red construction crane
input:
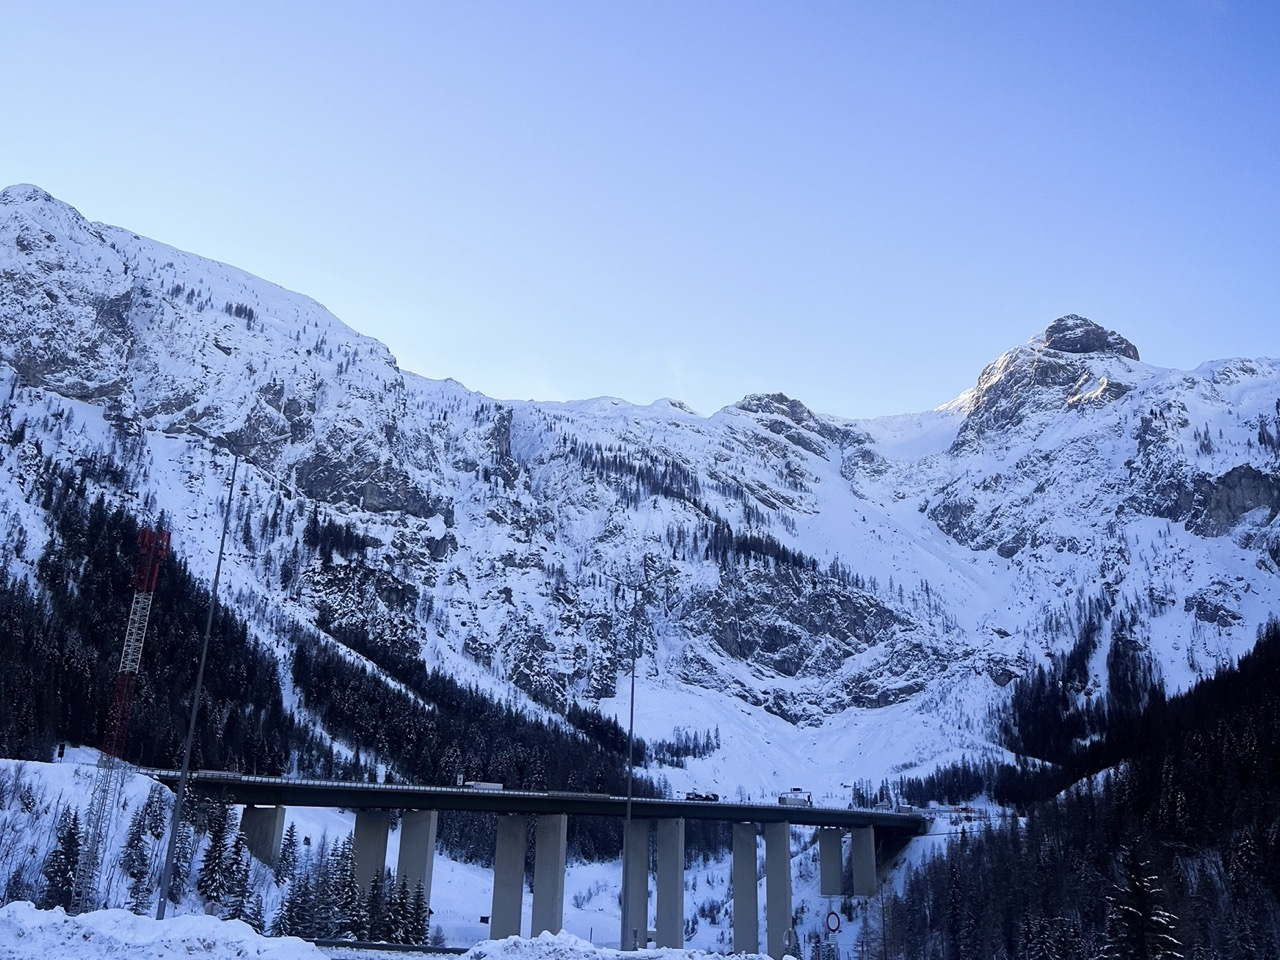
(153, 548)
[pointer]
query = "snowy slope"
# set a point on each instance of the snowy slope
(29, 934)
(841, 598)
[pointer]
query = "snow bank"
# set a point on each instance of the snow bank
(565, 946)
(30, 934)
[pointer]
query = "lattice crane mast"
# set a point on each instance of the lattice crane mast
(153, 548)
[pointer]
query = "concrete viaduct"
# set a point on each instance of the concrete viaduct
(265, 800)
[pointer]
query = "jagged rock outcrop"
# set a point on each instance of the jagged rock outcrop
(1075, 334)
(1073, 364)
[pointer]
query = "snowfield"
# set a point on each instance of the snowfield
(30, 934)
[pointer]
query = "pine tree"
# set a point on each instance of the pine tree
(136, 864)
(328, 914)
(297, 917)
(288, 861)
(252, 912)
(60, 869)
(183, 851)
(134, 861)
(1138, 928)
(282, 926)
(419, 914)
(141, 897)
(376, 906)
(237, 867)
(352, 917)
(155, 812)
(213, 880)
(399, 919)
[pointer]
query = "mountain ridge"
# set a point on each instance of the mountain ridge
(811, 566)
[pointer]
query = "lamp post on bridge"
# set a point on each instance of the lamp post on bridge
(633, 632)
(166, 876)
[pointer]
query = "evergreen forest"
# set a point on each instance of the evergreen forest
(1136, 826)
(1165, 844)
(60, 641)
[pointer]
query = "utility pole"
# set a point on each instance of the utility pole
(175, 822)
(884, 926)
(629, 937)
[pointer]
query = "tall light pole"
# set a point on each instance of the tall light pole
(175, 822)
(623, 943)
(631, 759)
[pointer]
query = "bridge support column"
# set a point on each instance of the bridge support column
(777, 889)
(548, 873)
(746, 900)
(670, 925)
(863, 857)
(263, 829)
(830, 866)
(635, 914)
(508, 877)
(418, 849)
(372, 827)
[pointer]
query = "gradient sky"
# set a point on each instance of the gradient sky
(858, 204)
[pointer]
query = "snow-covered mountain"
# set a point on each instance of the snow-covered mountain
(840, 597)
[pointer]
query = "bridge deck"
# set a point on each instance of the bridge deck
(287, 792)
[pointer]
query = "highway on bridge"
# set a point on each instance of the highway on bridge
(289, 792)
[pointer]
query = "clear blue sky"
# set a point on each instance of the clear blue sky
(856, 203)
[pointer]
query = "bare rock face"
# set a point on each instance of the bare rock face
(793, 421)
(1216, 604)
(1074, 334)
(63, 316)
(1221, 502)
(1074, 364)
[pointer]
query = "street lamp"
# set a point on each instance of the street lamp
(631, 760)
(166, 876)
(631, 733)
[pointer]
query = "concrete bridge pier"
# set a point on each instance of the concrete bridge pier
(830, 862)
(635, 870)
(508, 876)
(418, 848)
(863, 856)
(548, 873)
(746, 899)
(669, 929)
(372, 827)
(777, 887)
(263, 829)
(670, 921)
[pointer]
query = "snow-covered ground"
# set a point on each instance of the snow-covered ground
(30, 934)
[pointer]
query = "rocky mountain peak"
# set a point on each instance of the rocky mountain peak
(777, 404)
(1074, 362)
(792, 420)
(1076, 334)
(24, 193)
